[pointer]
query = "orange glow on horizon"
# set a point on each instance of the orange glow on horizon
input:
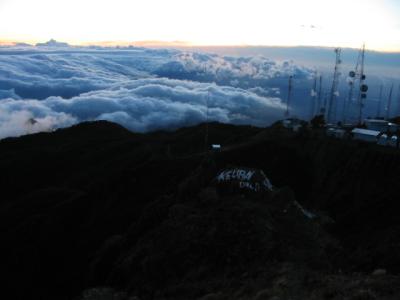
(183, 44)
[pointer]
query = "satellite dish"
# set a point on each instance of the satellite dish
(352, 74)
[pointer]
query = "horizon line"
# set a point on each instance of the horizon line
(179, 44)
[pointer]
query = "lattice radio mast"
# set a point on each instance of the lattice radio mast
(389, 104)
(362, 93)
(290, 88)
(335, 84)
(313, 97)
(378, 111)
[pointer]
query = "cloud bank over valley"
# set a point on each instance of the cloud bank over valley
(53, 85)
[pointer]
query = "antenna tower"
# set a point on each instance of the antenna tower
(335, 84)
(378, 111)
(358, 75)
(290, 88)
(362, 93)
(398, 102)
(319, 108)
(313, 97)
(206, 133)
(389, 104)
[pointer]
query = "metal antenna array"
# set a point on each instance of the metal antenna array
(319, 108)
(353, 75)
(290, 88)
(389, 103)
(378, 111)
(362, 93)
(206, 133)
(398, 102)
(357, 75)
(335, 84)
(313, 97)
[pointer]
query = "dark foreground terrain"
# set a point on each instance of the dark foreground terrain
(97, 212)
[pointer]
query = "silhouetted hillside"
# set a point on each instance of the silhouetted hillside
(116, 214)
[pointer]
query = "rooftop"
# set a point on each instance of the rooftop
(365, 131)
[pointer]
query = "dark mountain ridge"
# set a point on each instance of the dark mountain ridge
(95, 205)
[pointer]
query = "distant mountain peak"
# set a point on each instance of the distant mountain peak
(52, 43)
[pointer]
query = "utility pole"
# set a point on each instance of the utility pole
(389, 104)
(378, 111)
(206, 147)
(290, 87)
(313, 97)
(335, 84)
(319, 96)
(349, 101)
(398, 102)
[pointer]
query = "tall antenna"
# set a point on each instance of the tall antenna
(313, 97)
(362, 93)
(349, 100)
(323, 109)
(319, 96)
(389, 104)
(378, 111)
(335, 83)
(358, 75)
(290, 87)
(398, 102)
(353, 75)
(206, 134)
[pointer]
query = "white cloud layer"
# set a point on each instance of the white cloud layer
(138, 88)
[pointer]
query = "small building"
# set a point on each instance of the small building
(292, 123)
(365, 135)
(377, 125)
(336, 132)
(216, 147)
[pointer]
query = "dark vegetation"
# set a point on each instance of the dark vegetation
(97, 212)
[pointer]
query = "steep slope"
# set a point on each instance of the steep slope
(96, 205)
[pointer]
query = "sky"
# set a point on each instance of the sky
(208, 22)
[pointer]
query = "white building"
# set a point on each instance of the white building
(366, 135)
(381, 125)
(336, 132)
(377, 125)
(292, 123)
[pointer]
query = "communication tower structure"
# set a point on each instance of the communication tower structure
(378, 111)
(207, 129)
(398, 102)
(358, 75)
(289, 96)
(362, 93)
(389, 103)
(314, 95)
(335, 84)
(319, 108)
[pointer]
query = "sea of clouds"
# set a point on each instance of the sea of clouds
(53, 85)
